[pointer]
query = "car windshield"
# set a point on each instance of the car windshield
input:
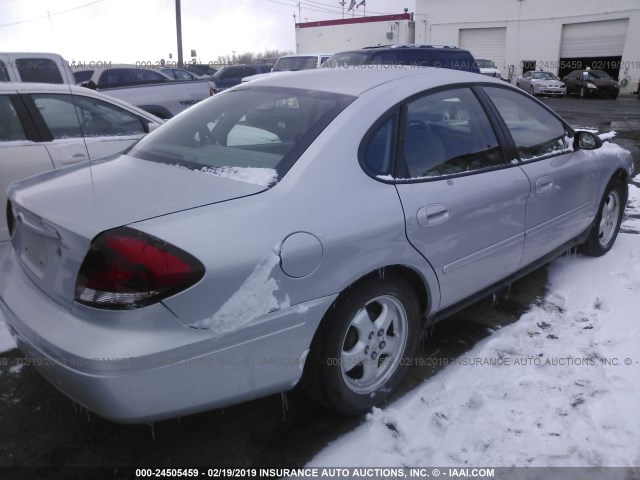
(249, 128)
(290, 64)
(544, 76)
(485, 63)
(597, 74)
(346, 59)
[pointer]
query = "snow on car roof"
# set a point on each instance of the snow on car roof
(359, 79)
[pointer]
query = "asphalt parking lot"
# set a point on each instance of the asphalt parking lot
(41, 428)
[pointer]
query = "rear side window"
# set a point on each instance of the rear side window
(10, 126)
(76, 116)
(4, 74)
(448, 133)
(39, 70)
(264, 128)
(380, 149)
(129, 76)
(535, 131)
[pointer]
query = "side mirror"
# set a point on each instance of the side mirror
(586, 141)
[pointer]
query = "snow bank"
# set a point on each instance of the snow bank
(557, 388)
(6, 340)
(257, 176)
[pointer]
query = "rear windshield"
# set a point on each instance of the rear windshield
(422, 57)
(83, 76)
(265, 128)
(38, 70)
(291, 64)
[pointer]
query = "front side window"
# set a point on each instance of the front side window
(10, 126)
(535, 131)
(255, 127)
(38, 70)
(447, 133)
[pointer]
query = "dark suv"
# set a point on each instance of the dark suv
(231, 75)
(439, 56)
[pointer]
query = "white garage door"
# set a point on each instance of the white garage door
(594, 39)
(486, 43)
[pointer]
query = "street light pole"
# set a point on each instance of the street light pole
(179, 31)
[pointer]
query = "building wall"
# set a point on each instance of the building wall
(332, 37)
(533, 28)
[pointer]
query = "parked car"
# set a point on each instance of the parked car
(591, 83)
(179, 73)
(147, 88)
(32, 67)
(201, 69)
(541, 83)
(44, 127)
(293, 63)
(232, 75)
(300, 228)
(442, 56)
(487, 67)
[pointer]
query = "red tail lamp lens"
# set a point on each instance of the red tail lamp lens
(126, 268)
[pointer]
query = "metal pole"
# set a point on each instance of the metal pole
(179, 32)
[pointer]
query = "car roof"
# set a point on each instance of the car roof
(357, 80)
(306, 55)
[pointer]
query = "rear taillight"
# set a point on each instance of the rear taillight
(126, 269)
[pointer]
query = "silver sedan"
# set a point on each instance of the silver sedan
(304, 228)
(541, 83)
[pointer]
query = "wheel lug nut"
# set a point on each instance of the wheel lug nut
(374, 355)
(366, 350)
(380, 333)
(371, 335)
(382, 345)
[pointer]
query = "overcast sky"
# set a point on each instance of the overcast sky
(144, 30)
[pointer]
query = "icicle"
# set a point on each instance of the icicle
(508, 294)
(75, 407)
(88, 415)
(153, 430)
(285, 405)
(494, 299)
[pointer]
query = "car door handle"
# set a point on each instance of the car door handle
(432, 214)
(544, 184)
(78, 157)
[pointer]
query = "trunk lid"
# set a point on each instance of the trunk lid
(58, 214)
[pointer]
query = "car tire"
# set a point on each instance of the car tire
(607, 222)
(362, 350)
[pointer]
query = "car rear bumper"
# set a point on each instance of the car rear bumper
(149, 366)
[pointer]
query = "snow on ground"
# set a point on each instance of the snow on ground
(560, 387)
(6, 340)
